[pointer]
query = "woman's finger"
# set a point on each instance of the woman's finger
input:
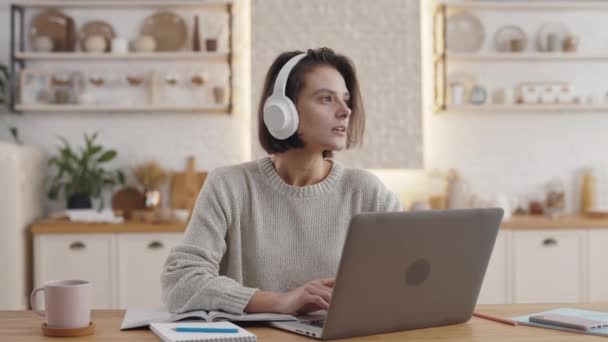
(330, 282)
(318, 301)
(320, 290)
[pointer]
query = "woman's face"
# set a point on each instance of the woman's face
(323, 110)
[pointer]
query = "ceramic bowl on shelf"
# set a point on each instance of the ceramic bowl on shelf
(96, 28)
(550, 36)
(465, 33)
(510, 38)
(42, 44)
(144, 44)
(95, 44)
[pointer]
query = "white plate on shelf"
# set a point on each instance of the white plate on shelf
(464, 33)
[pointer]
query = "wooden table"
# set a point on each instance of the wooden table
(25, 326)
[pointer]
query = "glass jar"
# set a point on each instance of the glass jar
(555, 197)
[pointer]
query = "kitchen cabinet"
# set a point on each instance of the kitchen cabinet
(548, 266)
(598, 258)
(495, 288)
(123, 267)
(142, 257)
(78, 256)
(534, 260)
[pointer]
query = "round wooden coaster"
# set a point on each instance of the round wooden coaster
(58, 332)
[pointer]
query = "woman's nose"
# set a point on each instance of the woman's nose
(344, 110)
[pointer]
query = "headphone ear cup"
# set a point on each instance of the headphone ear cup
(280, 117)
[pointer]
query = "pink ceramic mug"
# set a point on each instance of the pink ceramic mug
(67, 303)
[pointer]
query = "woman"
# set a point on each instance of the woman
(267, 235)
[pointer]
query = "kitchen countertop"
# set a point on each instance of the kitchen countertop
(542, 222)
(50, 226)
(525, 222)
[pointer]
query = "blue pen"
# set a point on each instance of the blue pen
(206, 330)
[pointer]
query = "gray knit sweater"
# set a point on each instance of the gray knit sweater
(250, 230)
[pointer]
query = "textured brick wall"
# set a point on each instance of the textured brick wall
(383, 39)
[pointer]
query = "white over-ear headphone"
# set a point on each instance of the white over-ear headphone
(280, 113)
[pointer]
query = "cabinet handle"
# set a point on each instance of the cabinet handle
(77, 245)
(155, 245)
(549, 242)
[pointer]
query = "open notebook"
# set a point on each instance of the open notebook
(135, 318)
(594, 315)
(166, 331)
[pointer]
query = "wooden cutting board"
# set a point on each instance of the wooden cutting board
(186, 185)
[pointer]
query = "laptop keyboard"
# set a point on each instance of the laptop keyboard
(316, 323)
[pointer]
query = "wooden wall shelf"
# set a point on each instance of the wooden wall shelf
(220, 57)
(219, 77)
(525, 108)
(562, 5)
(124, 3)
(118, 109)
(526, 56)
(531, 66)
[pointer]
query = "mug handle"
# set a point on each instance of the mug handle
(33, 301)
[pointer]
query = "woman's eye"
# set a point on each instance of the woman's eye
(326, 98)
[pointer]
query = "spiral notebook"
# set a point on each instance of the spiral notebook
(166, 331)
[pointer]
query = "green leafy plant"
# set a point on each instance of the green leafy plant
(83, 173)
(4, 83)
(4, 86)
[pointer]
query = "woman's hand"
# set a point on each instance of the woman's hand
(312, 296)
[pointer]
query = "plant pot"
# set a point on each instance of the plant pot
(79, 201)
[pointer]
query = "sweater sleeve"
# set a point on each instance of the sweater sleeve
(190, 279)
(389, 201)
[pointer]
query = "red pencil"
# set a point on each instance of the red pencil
(495, 319)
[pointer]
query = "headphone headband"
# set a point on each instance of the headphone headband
(280, 113)
(281, 81)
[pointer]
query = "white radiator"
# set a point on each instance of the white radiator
(22, 197)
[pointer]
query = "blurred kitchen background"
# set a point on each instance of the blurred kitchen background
(470, 103)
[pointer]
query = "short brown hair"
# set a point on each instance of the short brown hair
(295, 83)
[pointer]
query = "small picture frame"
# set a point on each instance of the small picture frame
(34, 86)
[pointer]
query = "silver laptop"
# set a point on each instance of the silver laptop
(402, 271)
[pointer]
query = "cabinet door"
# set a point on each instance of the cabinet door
(77, 256)
(548, 266)
(598, 257)
(141, 259)
(495, 286)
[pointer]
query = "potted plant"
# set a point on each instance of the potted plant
(4, 83)
(4, 98)
(151, 176)
(81, 177)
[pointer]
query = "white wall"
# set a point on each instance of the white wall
(518, 153)
(215, 139)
